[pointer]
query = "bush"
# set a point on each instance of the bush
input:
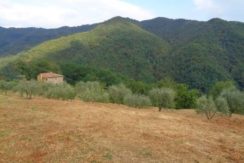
(222, 105)
(220, 86)
(186, 98)
(91, 92)
(162, 97)
(207, 106)
(138, 87)
(59, 91)
(6, 86)
(117, 93)
(137, 101)
(235, 100)
(28, 88)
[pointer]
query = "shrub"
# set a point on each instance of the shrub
(137, 101)
(59, 91)
(117, 93)
(234, 99)
(6, 86)
(138, 87)
(186, 98)
(162, 97)
(219, 86)
(222, 105)
(27, 88)
(91, 92)
(207, 106)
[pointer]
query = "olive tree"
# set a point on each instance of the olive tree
(28, 88)
(234, 99)
(162, 97)
(137, 101)
(117, 93)
(222, 106)
(6, 86)
(62, 91)
(207, 106)
(91, 92)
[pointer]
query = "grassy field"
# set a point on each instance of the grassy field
(42, 130)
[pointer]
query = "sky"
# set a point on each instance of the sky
(57, 13)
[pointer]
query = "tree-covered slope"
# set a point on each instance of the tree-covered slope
(15, 40)
(191, 52)
(205, 51)
(118, 45)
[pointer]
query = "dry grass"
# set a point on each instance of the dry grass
(42, 130)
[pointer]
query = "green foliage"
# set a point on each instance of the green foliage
(139, 87)
(167, 83)
(222, 105)
(194, 53)
(6, 86)
(31, 69)
(74, 73)
(91, 92)
(203, 52)
(117, 93)
(137, 101)
(15, 40)
(185, 97)
(58, 91)
(218, 87)
(235, 100)
(163, 97)
(28, 88)
(207, 106)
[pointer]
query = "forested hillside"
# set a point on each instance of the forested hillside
(191, 52)
(202, 51)
(15, 40)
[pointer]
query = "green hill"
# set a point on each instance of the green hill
(191, 52)
(15, 40)
(202, 52)
(118, 45)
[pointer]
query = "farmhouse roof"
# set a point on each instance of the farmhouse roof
(50, 75)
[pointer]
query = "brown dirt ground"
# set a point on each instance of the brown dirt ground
(42, 130)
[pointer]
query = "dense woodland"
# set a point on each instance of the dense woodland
(197, 54)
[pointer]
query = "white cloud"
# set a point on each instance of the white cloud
(225, 9)
(55, 13)
(209, 6)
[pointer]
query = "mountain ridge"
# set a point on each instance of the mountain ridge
(192, 52)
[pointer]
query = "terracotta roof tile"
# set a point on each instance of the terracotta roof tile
(50, 75)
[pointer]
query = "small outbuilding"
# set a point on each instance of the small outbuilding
(50, 77)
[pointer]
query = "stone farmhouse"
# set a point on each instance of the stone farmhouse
(50, 77)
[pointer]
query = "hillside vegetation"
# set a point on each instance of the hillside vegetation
(15, 40)
(117, 45)
(202, 52)
(191, 52)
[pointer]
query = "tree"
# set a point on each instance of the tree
(59, 91)
(138, 87)
(117, 93)
(136, 100)
(5, 86)
(222, 105)
(219, 86)
(185, 97)
(162, 97)
(207, 106)
(234, 99)
(91, 92)
(28, 88)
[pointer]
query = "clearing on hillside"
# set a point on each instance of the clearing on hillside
(42, 130)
